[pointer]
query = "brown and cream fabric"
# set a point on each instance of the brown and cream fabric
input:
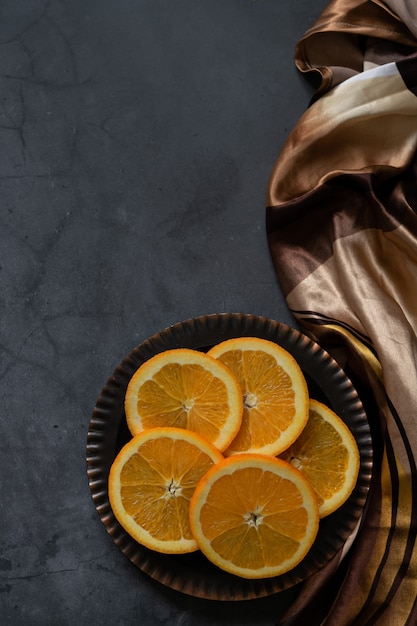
(342, 231)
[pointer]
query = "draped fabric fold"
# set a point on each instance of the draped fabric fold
(342, 232)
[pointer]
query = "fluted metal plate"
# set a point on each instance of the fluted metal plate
(192, 573)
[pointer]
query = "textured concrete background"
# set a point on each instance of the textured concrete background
(136, 142)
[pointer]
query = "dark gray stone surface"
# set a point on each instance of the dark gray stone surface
(136, 142)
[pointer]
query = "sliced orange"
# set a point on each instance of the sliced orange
(275, 394)
(151, 483)
(254, 516)
(327, 454)
(186, 389)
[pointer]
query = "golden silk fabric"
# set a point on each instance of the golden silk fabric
(342, 231)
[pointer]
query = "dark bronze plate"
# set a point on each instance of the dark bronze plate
(192, 573)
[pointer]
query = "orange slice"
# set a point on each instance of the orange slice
(275, 395)
(254, 516)
(327, 454)
(151, 483)
(186, 389)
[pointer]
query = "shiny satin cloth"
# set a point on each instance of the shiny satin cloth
(342, 231)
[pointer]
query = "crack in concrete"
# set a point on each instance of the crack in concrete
(34, 22)
(28, 577)
(17, 359)
(47, 83)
